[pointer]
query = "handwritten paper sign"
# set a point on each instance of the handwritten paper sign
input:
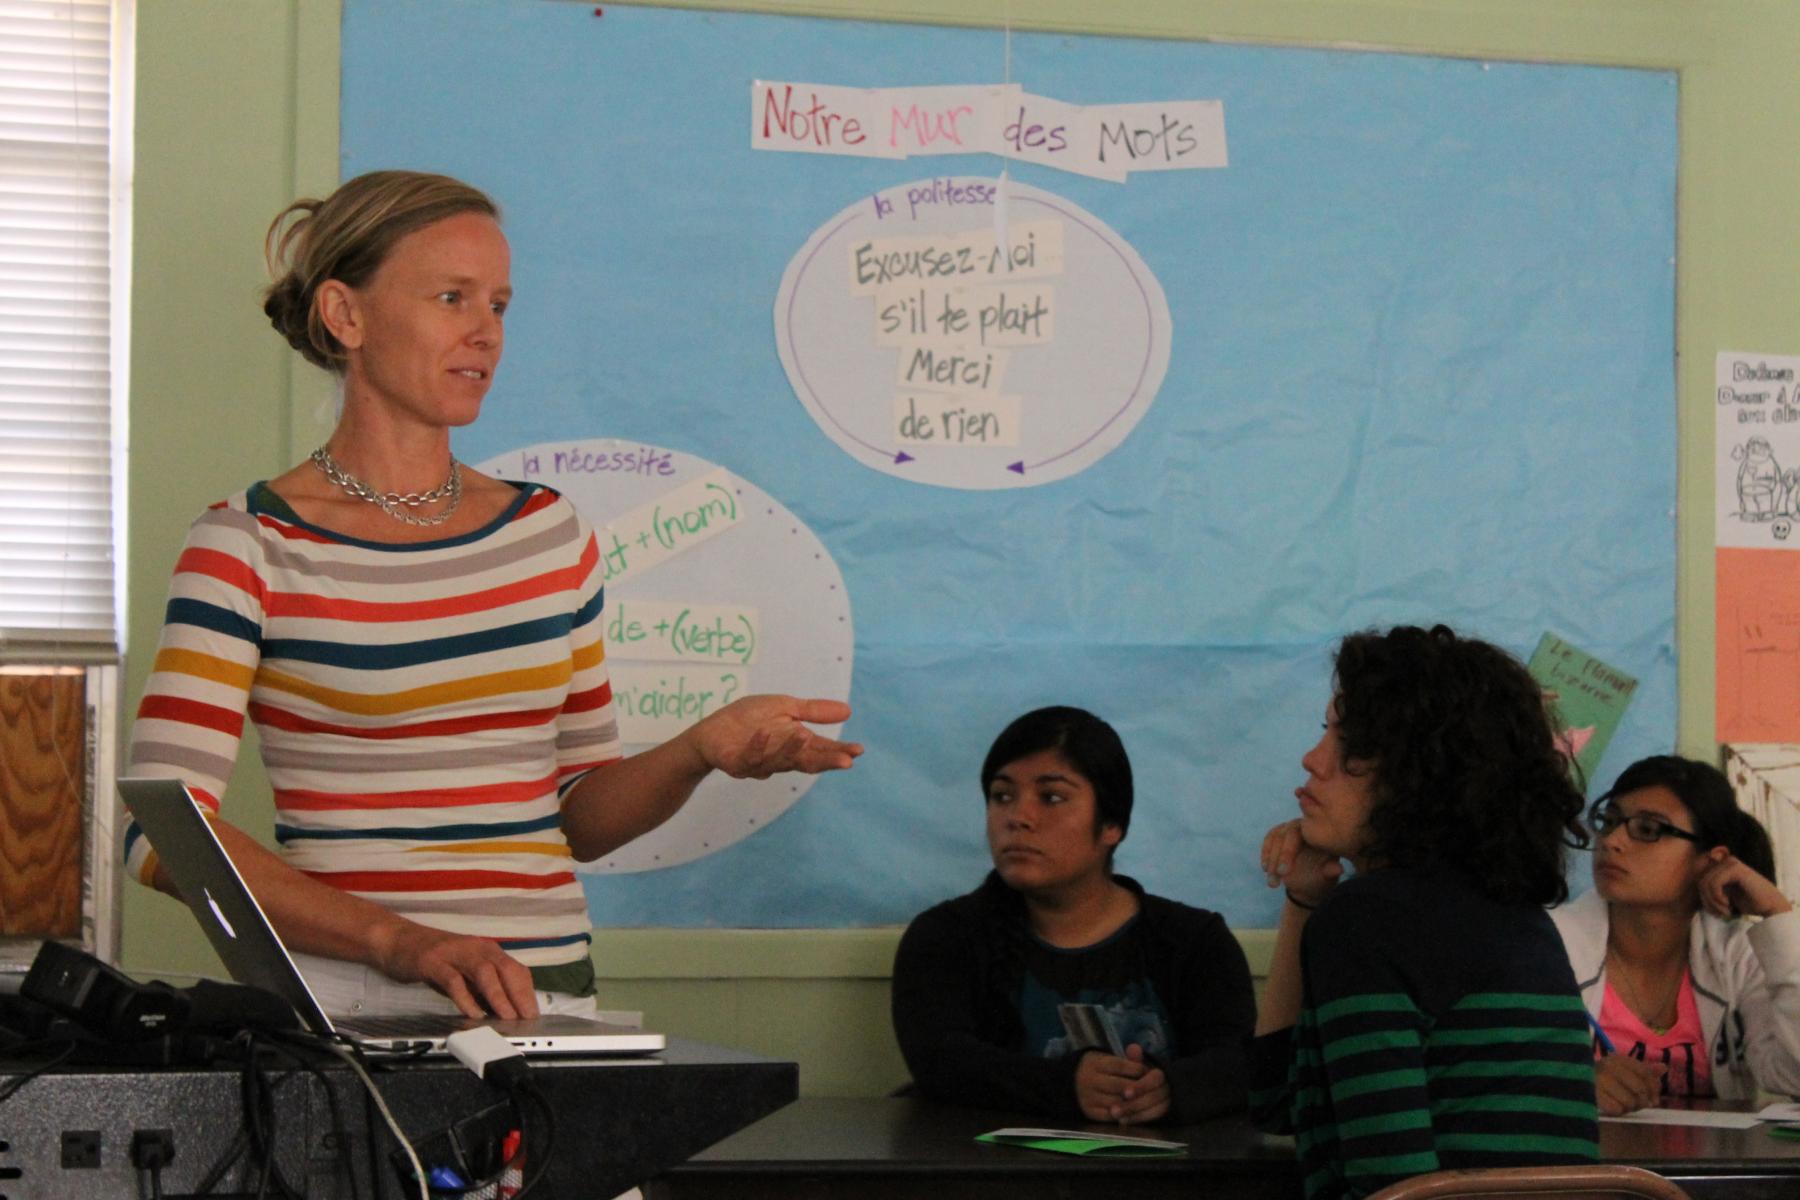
(944, 120)
(1179, 136)
(811, 118)
(1589, 695)
(1100, 141)
(1052, 133)
(952, 419)
(656, 703)
(692, 620)
(895, 265)
(659, 630)
(931, 340)
(674, 522)
(946, 368)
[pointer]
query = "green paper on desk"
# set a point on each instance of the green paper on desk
(1087, 1144)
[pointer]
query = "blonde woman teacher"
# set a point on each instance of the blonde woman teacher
(418, 645)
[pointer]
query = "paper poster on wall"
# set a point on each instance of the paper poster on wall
(1370, 417)
(1589, 695)
(1757, 653)
(713, 590)
(1100, 141)
(1757, 440)
(926, 349)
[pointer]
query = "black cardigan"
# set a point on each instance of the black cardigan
(955, 1006)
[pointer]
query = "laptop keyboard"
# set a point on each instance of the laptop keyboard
(415, 1025)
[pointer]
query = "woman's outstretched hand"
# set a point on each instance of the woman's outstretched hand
(760, 736)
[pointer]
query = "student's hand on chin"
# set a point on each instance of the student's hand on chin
(1731, 887)
(1288, 861)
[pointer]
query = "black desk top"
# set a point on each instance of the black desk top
(906, 1145)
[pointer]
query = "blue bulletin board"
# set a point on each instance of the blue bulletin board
(1421, 368)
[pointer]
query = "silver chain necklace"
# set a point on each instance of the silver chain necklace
(395, 504)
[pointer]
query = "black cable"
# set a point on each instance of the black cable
(333, 1043)
(258, 1096)
(339, 1131)
(234, 1150)
(19, 1081)
(539, 1160)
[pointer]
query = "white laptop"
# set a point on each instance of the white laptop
(253, 953)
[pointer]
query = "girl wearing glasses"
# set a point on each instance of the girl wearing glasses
(1422, 1015)
(1691, 1002)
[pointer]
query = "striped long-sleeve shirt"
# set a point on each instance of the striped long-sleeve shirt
(1439, 1030)
(421, 707)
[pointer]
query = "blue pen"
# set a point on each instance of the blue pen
(1605, 1042)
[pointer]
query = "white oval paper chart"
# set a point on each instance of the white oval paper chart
(713, 590)
(953, 332)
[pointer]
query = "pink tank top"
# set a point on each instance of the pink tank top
(1682, 1046)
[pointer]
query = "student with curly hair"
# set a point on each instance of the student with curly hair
(1688, 957)
(978, 981)
(1421, 1015)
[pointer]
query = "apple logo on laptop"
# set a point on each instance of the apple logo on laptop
(216, 912)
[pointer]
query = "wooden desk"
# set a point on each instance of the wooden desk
(893, 1148)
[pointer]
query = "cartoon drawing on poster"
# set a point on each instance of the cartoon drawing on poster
(1758, 445)
(713, 590)
(930, 345)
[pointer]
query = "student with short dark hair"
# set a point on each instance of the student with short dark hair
(1421, 1015)
(1687, 956)
(978, 980)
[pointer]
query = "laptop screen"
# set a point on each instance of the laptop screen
(210, 885)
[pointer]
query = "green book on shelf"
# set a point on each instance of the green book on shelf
(1083, 1142)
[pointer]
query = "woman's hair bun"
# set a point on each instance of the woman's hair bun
(288, 306)
(346, 237)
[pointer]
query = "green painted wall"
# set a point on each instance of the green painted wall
(237, 114)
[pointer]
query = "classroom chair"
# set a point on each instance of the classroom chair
(1591, 1182)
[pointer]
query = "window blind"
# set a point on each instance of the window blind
(57, 427)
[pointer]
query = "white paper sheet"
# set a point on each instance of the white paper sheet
(1178, 135)
(816, 118)
(1683, 1116)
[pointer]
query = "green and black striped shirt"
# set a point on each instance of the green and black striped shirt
(1439, 1030)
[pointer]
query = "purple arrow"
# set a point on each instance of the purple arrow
(902, 457)
(1018, 467)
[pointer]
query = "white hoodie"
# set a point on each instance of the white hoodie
(1746, 986)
